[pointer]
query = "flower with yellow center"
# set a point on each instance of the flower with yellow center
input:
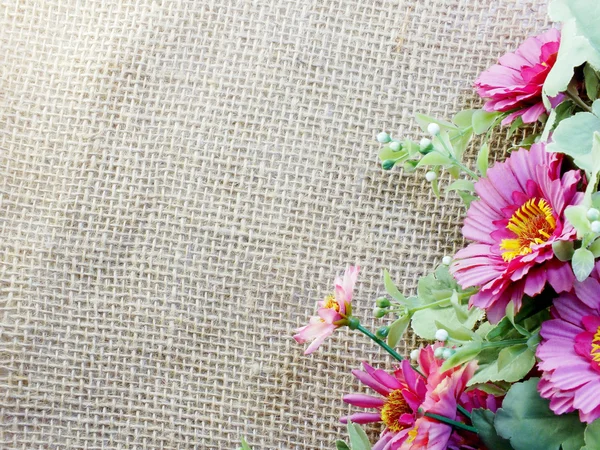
(395, 406)
(533, 224)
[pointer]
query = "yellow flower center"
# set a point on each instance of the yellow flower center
(533, 223)
(595, 351)
(331, 303)
(412, 434)
(394, 407)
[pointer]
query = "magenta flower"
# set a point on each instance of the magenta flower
(405, 395)
(332, 313)
(519, 215)
(515, 83)
(570, 351)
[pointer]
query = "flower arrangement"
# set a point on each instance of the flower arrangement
(514, 317)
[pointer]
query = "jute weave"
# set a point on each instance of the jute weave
(179, 183)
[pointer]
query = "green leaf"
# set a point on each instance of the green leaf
(595, 248)
(461, 185)
(483, 420)
(591, 82)
(245, 445)
(463, 119)
(358, 437)
(463, 354)
(516, 124)
(424, 321)
(393, 291)
(514, 363)
(467, 198)
(577, 216)
(592, 436)
(483, 159)
(483, 120)
(434, 159)
(583, 263)
(397, 329)
(563, 250)
(341, 445)
(424, 120)
(527, 421)
(386, 153)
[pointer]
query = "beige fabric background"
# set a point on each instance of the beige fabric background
(181, 180)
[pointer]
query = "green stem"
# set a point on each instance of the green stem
(464, 411)
(506, 343)
(451, 422)
(456, 162)
(440, 302)
(577, 100)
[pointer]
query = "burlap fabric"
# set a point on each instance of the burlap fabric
(180, 181)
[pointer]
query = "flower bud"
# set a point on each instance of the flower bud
(395, 146)
(414, 355)
(383, 138)
(425, 146)
(353, 322)
(441, 335)
(382, 332)
(447, 353)
(447, 260)
(388, 164)
(382, 302)
(593, 214)
(595, 225)
(438, 352)
(430, 176)
(433, 129)
(379, 312)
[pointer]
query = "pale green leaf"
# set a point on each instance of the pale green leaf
(434, 159)
(424, 120)
(424, 322)
(341, 445)
(358, 437)
(461, 185)
(595, 248)
(463, 119)
(577, 216)
(483, 120)
(563, 250)
(591, 82)
(582, 263)
(592, 436)
(393, 291)
(245, 445)
(483, 159)
(397, 329)
(463, 354)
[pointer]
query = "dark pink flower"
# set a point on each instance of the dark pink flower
(570, 351)
(519, 214)
(406, 395)
(516, 82)
(331, 313)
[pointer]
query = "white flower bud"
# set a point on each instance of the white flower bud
(433, 129)
(447, 260)
(595, 226)
(383, 138)
(593, 214)
(430, 176)
(438, 352)
(414, 355)
(424, 143)
(395, 146)
(447, 353)
(441, 335)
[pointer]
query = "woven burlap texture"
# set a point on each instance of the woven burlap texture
(180, 181)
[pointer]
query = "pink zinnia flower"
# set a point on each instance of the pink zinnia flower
(519, 215)
(332, 313)
(405, 395)
(570, 351)
(516, 82)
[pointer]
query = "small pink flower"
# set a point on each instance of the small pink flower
(516, 82)
(332, 312)
(519, 214)
(406, 394)
(569, 353)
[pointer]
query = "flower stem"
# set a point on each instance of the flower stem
(457, 162)
(506, 343)
(451, 422)
(577, 100)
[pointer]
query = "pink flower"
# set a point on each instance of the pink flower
(516, 82)
(570, 351)
(405, 395)
(519, 215)
(332, 312)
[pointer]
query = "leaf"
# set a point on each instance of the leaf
(397, 329)
(245, 445)
(387, 153)
(358, 437)
(483, 120)
(577, 216)
(583, 263)
(514, 363)
(483, 420)
(463, 354)
(523, 410)
(591, 82)
(461, 185)
(393, 291)
(424, 120)
(595, 248)
(424, 321)
(467, 198)
(463, 119)
(563, 250)
(483, 159)
(516, 124)
(341, 445)
(592, 436)
(434, 159)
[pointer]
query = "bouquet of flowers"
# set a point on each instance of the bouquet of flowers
(514, 317)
